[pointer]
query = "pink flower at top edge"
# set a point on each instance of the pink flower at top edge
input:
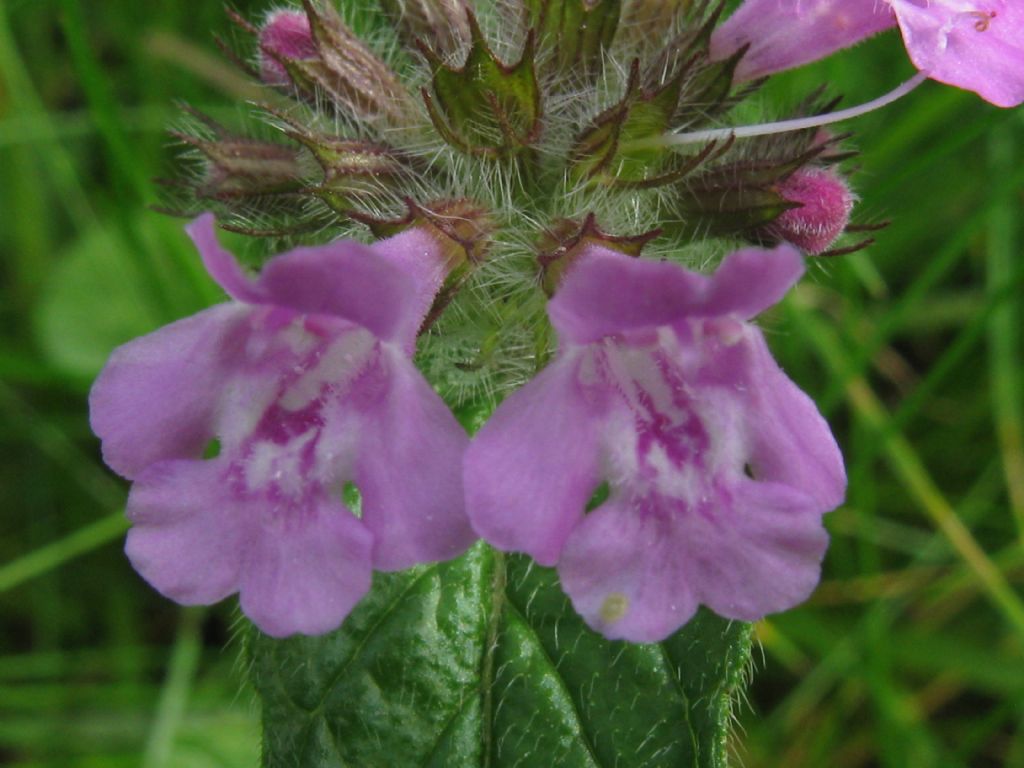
(977, 45)
(305, 381)
(783, 34)
(718, 467)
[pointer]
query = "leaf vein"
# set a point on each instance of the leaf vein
(470, 693)
(575, 707)
(385, 614)
(673, 672)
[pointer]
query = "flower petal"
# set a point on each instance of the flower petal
(418, 255)
(356, 282)
(784, 34)
(791, 441)
(760, 555)
(221, 264)
(386, 287)
(977, 46)
(749, 281)
(532, 468)
(626, 574)
(156, 396)
(305, 575)
(606, 292)
(285, 34)
(185, 540)
(409, 470)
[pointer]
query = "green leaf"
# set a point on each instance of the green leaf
(95, 298)
(92, 302)
(482, 662)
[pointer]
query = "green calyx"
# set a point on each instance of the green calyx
(357, 174)
(485, 107)
(346, 72)
(603, 153)
(573, 34)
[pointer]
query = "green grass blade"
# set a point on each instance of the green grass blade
(53, 556)
(906, 464)
(175, 693)
(1006, 365)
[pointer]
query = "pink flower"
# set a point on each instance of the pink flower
(306, 382)
(718, 468)
(977, 45)
(783, 34)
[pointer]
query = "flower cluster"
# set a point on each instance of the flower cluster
(287, 443)
(719, 467)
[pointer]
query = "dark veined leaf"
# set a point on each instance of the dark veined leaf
(482, 662)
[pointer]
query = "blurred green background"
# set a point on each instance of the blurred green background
(909, 654)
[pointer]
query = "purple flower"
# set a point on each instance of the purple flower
(973, 44)
(783, 34)
(305, 381)
(718, 468)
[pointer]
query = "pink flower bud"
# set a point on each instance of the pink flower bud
(285, 34)
(825, 204)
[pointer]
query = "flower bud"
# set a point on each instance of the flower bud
(246, 167)
(285, 35)
(824, 203)
(442, 24)
(236, 167)
(726, 202)
(314, 50)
